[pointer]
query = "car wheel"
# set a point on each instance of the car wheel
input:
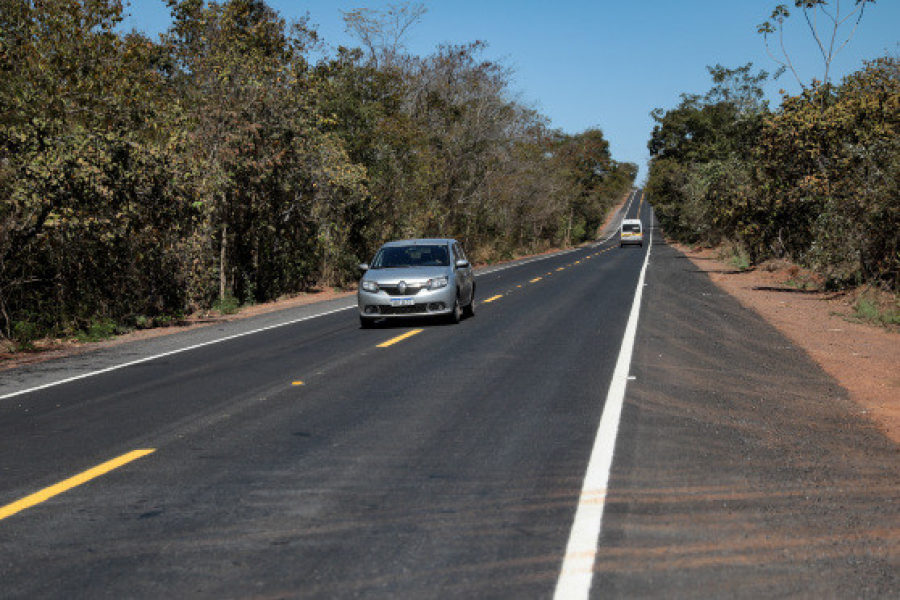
(455, 315)
(366, 322)
(469, 309)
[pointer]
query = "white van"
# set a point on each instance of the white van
(631, 232)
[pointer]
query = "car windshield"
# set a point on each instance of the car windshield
(631, 228)
(398, 257)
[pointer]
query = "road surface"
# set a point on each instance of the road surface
(297, 455)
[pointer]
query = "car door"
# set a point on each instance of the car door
(464, 275)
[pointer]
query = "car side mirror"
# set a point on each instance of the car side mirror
(462, 264)
(364, 267)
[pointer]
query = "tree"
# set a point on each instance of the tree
(273, 184)
(830, 167)
(382, 31)
(826, 37)
(717, 125)
(702, 157)
(140, 181)
(586, 161)
(87, 198)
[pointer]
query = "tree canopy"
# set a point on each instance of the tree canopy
(143, 180)
(814, 181)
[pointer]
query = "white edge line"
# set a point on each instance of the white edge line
(577, 570)
(170, 353)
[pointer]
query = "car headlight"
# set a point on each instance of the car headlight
(370, 286)
(437, 283)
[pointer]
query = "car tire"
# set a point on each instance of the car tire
(469, 309)
(455, 315)
(366, 322)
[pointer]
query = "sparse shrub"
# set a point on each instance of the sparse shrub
(877, 308)
(227, 305)
(24, 334)
(736, 256)
(98, 330)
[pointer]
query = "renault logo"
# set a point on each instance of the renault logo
(401, 287)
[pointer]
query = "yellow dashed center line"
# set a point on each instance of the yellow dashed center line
(298, 383)
(68, 484)
(499, 296)
(400, 338)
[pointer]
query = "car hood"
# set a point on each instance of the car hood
(409, 275)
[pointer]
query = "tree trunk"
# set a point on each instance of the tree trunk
(223, 253)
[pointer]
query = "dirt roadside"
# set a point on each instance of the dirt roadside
(863, 358)
(50, 349)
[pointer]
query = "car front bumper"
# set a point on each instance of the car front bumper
(427, 302)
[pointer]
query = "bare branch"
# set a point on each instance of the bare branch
(814, 29)
(382, 31)
(861, 7)
(811, 10)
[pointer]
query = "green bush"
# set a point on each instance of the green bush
(739, 259)
(98, 330)
(870, 310)
(227, 305)
(24, 334)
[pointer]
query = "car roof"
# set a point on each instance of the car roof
(421, 242)
(630, 221)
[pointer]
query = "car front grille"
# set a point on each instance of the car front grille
(391, 290)
(403, 310)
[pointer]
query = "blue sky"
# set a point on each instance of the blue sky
(600, 63)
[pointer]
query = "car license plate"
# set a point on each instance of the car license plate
(402, 302)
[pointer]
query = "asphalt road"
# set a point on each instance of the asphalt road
(307, 461)
(741, 469)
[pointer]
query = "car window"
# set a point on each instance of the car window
(631, 228)
(397, 257)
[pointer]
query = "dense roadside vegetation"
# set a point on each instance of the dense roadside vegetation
(814, 181)
(143, 180)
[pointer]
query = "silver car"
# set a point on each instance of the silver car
(415, 278)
